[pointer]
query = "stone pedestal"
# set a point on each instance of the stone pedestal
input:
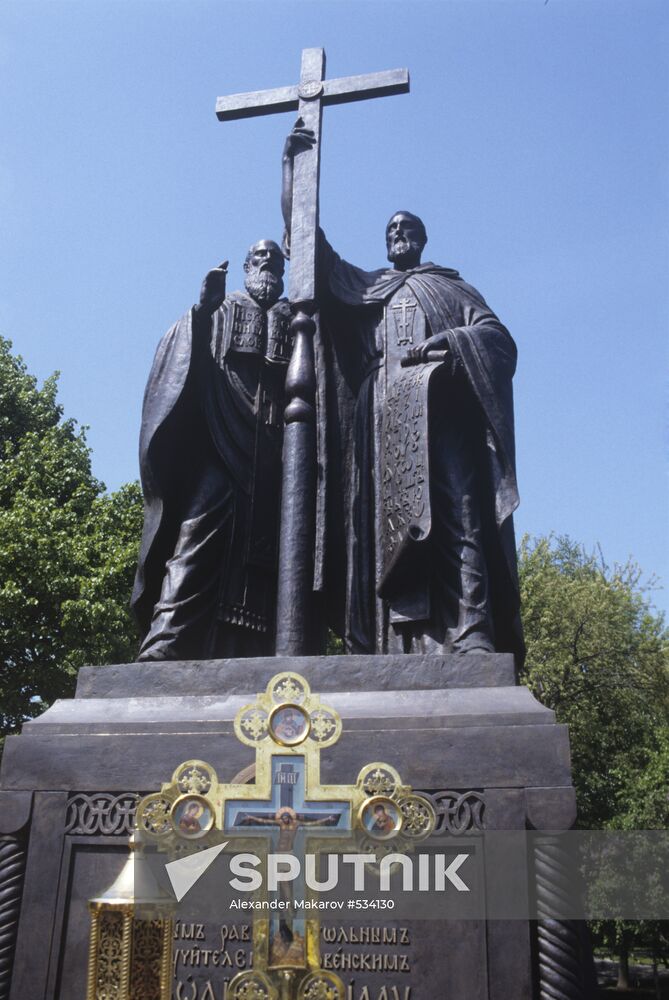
(458, 726)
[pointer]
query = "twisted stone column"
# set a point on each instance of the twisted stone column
(12, 871)
(15, 810)
(559, 942)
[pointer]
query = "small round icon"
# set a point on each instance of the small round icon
(289, 725)
(192, 816)
(381, 817)
(310, 89)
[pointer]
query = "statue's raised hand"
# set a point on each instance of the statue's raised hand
(212, 293)
(298, 140)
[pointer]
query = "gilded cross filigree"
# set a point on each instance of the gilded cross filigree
(290, 810)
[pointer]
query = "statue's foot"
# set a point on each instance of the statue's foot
(474, 642)
(151, 656)
(158, 651)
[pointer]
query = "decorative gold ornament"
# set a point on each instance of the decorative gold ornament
(153, 815)
(251, 985)
(420, 817)
(288, 714)
(321, 986)
(195, 777)
(379, 779)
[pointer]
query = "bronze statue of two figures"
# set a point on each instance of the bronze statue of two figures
(411, 544)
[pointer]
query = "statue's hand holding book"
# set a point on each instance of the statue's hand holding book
(434, 348)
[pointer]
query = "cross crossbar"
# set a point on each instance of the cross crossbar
(342, 90)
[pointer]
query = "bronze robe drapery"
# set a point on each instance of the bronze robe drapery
(470, 425)
(210, 461)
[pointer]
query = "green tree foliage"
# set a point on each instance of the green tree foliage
(598, 655)
(67, 550)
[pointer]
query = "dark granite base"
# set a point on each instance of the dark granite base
(69, 783)
(324, 673)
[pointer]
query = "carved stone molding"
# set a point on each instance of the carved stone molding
(458, 811)
(101, 813)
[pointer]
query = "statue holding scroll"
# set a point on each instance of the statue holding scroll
(415, 375)
(210, 459)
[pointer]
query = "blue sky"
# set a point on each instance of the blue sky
(534, 144)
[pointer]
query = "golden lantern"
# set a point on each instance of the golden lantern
(130, 954)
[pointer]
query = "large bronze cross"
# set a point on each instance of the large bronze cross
(308, 98)
(298, 502)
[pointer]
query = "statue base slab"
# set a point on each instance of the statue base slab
(457, 725)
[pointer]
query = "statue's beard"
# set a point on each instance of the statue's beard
(403, 248)
(264, 286)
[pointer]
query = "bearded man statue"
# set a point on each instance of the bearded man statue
(210, 461)
(414, 382)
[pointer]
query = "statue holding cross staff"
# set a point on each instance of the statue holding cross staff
(414, 375)
(298, 533)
